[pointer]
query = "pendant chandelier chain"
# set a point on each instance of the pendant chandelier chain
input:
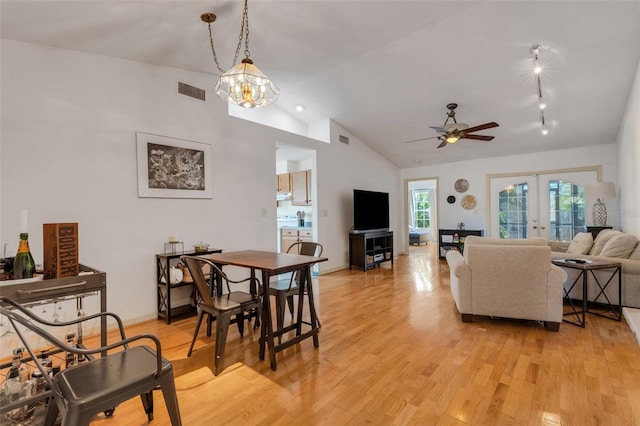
(244, 34)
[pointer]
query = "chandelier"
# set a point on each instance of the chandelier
(243, 84)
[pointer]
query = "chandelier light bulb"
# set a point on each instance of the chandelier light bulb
(541, 104)
(452, 139)
(544, 130)
(537, 68)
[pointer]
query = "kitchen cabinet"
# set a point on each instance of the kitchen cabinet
(289, 236)
(301, 188)
(283, 182)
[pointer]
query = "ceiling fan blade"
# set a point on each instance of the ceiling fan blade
(481, 127)
(422, 139)
(443, 144)
(478, 137)
(439, 129)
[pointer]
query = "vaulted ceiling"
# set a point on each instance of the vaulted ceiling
(385, 70)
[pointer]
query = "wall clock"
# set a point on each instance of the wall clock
(461, 185)
(469, 202)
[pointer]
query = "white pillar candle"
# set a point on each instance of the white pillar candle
(23, 222)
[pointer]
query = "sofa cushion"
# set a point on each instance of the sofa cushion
(635, 254)
(581, 243)
(620, 246)
(603, 237)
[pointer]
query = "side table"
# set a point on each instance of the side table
(585, 267)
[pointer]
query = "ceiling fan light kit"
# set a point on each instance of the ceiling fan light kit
(451, 133)
(243, 84)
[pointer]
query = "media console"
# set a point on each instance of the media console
(368, 249)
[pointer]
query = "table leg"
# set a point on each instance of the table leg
(315, 323)
(266, 329)
(585, 298)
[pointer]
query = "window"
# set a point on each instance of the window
(421, 210)
(566, 210)
(513, 211)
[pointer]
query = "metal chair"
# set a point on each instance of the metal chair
(213, 301)
(105, 380)
(284, 289)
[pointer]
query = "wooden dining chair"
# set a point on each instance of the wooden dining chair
(220, 304)
(113, 373)
(286, 286)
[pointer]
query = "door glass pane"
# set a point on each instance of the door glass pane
(566, 210)
(513, 214)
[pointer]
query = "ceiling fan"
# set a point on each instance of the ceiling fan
(453, 132)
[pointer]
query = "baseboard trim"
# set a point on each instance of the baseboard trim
(632, 316)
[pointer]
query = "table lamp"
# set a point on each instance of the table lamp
(600, 191)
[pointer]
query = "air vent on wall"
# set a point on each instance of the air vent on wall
(191, 91)
(343, 139)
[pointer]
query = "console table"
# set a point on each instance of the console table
(165, 288)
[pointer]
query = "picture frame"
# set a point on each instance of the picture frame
(173, 168)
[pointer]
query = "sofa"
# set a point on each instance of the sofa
(507, 278)
(609, 245)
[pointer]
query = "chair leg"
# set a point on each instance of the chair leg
(281, 304)
(222, 326)
(195, 333)
(168, 387)
(147, 403)
(52, 412)
(290, 303)
(552, 326)
(240, 321)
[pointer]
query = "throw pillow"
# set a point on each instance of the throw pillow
(581, 243)
(603, 237)
(620, 246)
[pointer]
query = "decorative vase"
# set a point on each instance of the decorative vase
(599, 213)
(175, 275)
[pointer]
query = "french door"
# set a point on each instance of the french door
(547, 205)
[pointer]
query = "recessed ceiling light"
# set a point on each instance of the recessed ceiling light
(300, 108)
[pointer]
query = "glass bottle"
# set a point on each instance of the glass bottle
(70, 358)
(23, 264)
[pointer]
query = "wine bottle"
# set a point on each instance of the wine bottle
(23, 264)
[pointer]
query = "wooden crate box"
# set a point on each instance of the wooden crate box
(60, 241)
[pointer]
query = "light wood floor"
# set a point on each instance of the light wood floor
(393, 351)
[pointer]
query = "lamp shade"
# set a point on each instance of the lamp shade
(247, 86)
(601, 190)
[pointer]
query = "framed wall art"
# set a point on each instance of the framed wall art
(173, 168)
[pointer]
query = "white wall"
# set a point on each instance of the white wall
(475, 171)
(629, 160)
(68, 154)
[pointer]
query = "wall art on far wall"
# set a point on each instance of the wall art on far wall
(173, 168)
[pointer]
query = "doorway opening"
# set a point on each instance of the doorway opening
(296, 181)
(421, 212)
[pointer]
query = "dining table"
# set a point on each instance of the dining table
(271, 264)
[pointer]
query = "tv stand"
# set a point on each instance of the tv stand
(368, 249)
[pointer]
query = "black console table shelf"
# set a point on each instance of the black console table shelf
(164, 289)
(369, 249)
(447, 240)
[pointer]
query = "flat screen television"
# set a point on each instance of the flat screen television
(370, 210)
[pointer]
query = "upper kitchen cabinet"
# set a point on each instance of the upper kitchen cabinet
(301, 188)
(283, 182)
